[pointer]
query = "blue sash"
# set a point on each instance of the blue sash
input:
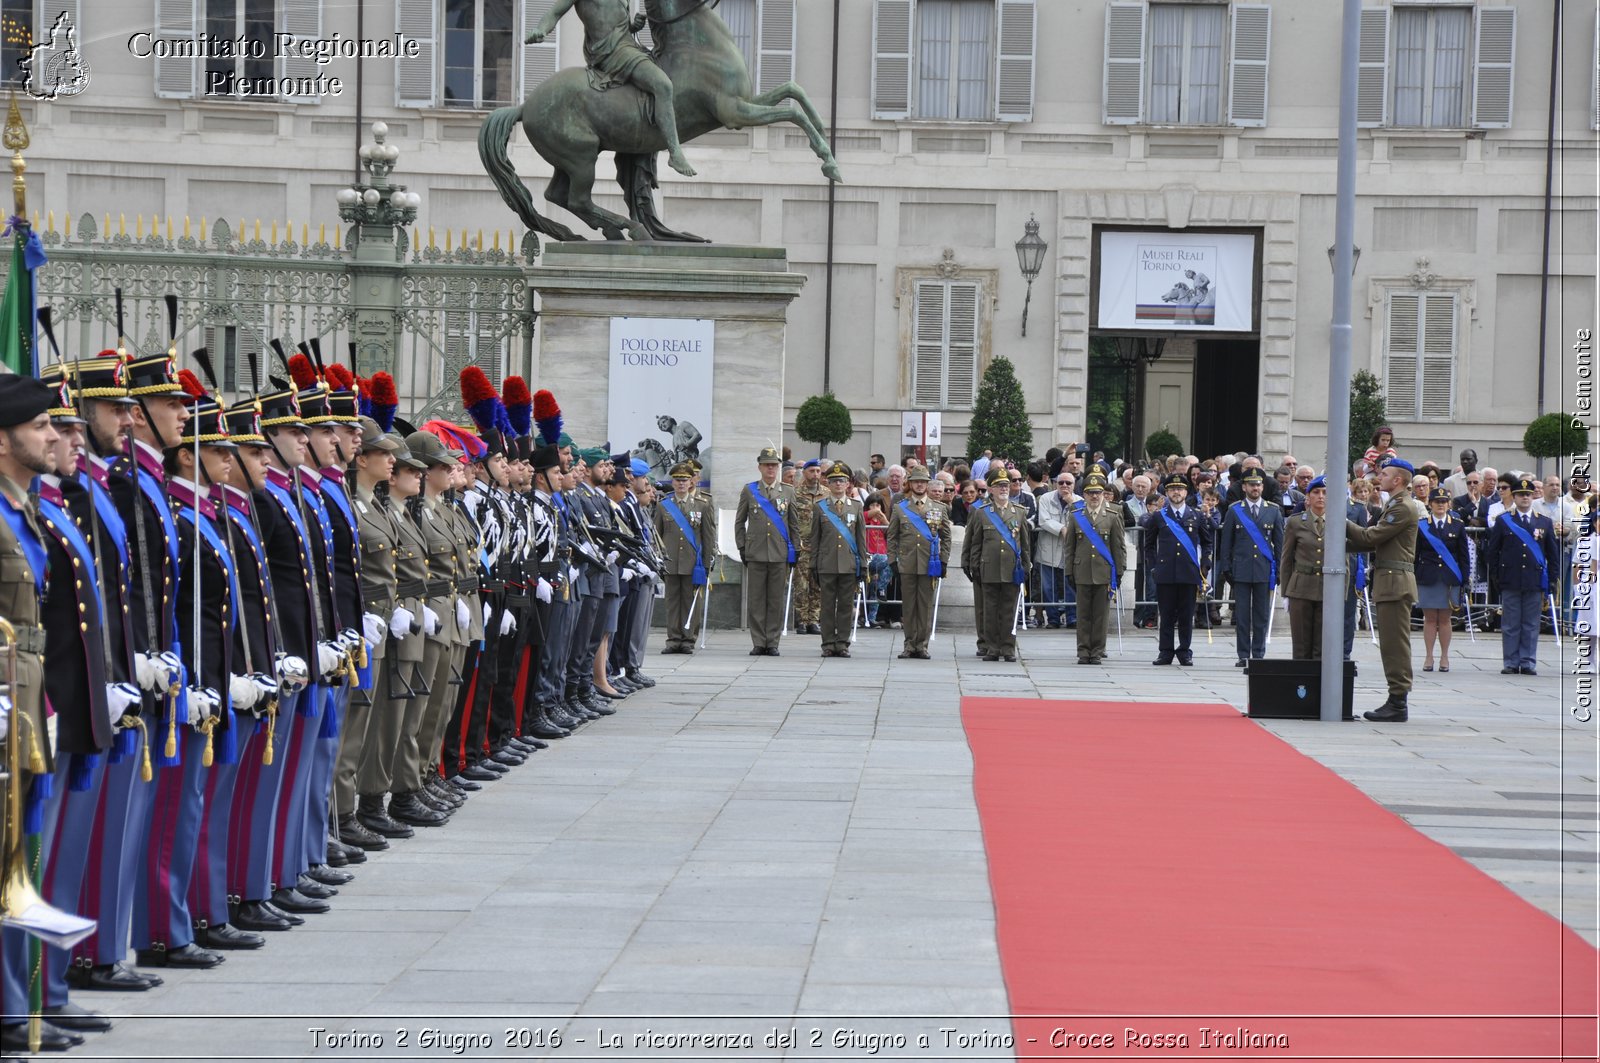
(772, 514)
(32, 548)
(1186, 544)
(110, 519)
(67, 529)
(699, 577)
(1099, 544)
(1425, 530)
(1261, 543)
(844, 533)
(1533, 548)
(335, 493)
(935, 563)
(1018, 575)
(1361, 572)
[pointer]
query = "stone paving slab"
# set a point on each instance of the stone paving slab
(757, 845)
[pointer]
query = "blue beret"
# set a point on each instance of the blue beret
(638, 468)
(1399, 463)
(1321, 481)
(814, 463)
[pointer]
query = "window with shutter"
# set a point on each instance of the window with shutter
(16, 37)
(478, 49)
(252, 21)
(945, 353)
(891, 59)
(175, 21)
(231, 347)
(1372, 76)
(539, 61)
(1419, 377)
(775, 65)
(740, 18)
(955, 59)
(1015, 73)
(416, 20)
(1431, 46)
(1247, 72)
(301, 20)
(1185, 64)
(1491, 76)
(1123, 88)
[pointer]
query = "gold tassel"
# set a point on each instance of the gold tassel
(146, 772)
(363, 661)
(206, 727)
(272, 730)
(172, 733)
(350, 668)
(35, 758)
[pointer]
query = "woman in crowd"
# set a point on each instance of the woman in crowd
(965, 498)
(1441, 539)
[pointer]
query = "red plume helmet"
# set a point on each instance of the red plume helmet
(514, 392)
(341, 378)
(303, 372)
(544, 404)
(191, 383)
(384, 393)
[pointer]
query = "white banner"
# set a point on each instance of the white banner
(1170, 282)
(660, 402)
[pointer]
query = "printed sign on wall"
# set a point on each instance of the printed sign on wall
(1168, 281)
(660, 402)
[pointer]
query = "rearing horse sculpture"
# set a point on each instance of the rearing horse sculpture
(569, 124)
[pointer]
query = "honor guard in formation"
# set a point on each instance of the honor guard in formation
(279, 634)
(1177, 546)
(1392, 539)
(1248, 548)
(1096, 557)
(997, 554)
(1302, 572)
(765, 535)
(919, 550)
(839, 561)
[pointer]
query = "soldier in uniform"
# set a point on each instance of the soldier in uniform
(1177, 544)
(27, 442)
(762, 532)
(807, 605)
(1441, 567)
(838, 551)
(553, 554)
(1392, 538)
(628, 653)
(1000, 548)
(1302, 572)
(686, 528)
(1096, 557)
(1523, 552)
(919, 548)
(1247, 557)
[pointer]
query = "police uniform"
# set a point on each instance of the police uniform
(1178, 574)
(1094, 575)
(806, 608)
(838, 552)
(921, 558)
(1302, 578)
(1525, 557)
(766, 547)
(688, 558)
(1001, 563)
(1393, 542)
(1248, 548)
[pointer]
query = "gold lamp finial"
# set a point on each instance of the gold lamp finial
(15, 138)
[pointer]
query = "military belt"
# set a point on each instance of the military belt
(441, 588)
(1394, 566)
(493, 586)
(1308, 570)
(412, 588)
(518, 599)
(30, 639)
(378, 599)
(468, 585)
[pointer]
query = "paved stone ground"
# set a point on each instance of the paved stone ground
(760, 844)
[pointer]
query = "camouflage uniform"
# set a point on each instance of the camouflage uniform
(807, 605)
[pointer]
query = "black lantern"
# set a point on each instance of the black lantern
(1030, 258)
(1132, 350)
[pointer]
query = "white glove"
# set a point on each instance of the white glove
(463, 617)
(430, 621)
(351, 638)
(487, 611)
(292, 671)
(5, 715)
(611, 558)
(175, 669)
(588, 550)
(627, 574)
(155, 673)
(572, 573)
(249, 691)
(330, 659)
(203, 702)
(647, 572)
(120, 697)
(508, 623)
(400, 623)
(372, 624)
(544, 591)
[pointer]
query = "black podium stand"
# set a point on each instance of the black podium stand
(1292, 690)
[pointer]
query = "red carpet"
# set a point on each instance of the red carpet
(1166, 869)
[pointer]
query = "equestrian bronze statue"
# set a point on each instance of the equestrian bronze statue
(636, 105)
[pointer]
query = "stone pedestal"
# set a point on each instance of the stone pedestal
(745, 290)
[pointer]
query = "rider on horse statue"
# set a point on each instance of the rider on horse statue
(615, 58)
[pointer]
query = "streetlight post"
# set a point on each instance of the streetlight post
(374, 209)
(1030, 257)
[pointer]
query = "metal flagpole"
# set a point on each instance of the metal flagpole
(1339, 333)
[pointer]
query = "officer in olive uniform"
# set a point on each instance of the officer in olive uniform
(1177, 572)
(919, 549)
(761, 529)
(23, 405)
(1302, 572)
(686, 528)
(807, 606)
(1096, 557)
(1000, 549)
(1392, 538)
(838, 559)
(1247, 557)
